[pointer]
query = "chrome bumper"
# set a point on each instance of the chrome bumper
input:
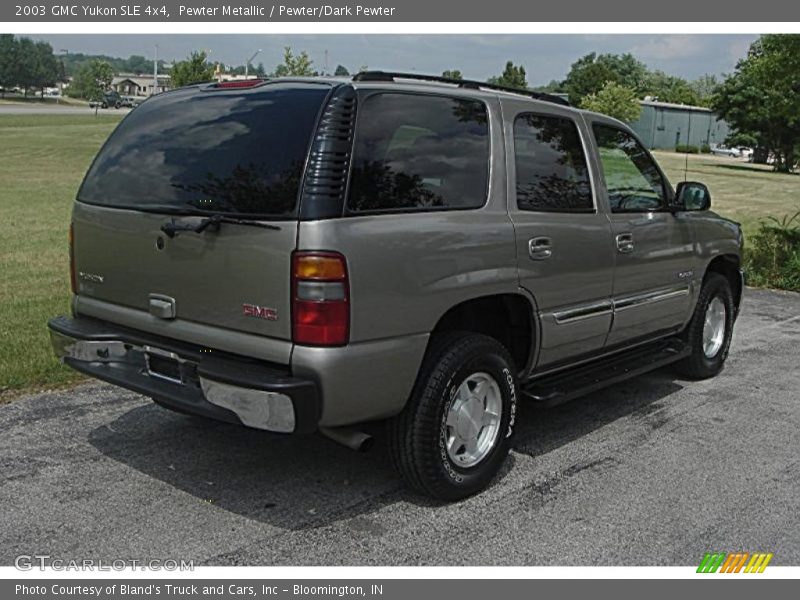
(222, 387)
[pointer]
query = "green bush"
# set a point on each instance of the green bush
(687, 149)
(772, 256)
(705, 149)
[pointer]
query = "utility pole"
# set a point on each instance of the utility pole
(155, 72)
(64, 76)
(249, 60)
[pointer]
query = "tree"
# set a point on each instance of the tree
(91, 80)
(138, 64)
(590, 73)
(195, 69)
(47, 70)
(762, 97)
(512, 76)
(8, 62)
(295, 66)
(341, 71)
(614, 100)
(668, 88)
(453, 74)
(26, 64)
(704, 87)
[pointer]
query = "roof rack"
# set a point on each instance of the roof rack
(463, 83)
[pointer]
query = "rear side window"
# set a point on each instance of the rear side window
(552, 174)
(190, 151)
(417, 152)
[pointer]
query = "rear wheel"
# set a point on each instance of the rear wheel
(454, 433)
(710, 330)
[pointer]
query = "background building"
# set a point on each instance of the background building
(139, 85)
(663, 126)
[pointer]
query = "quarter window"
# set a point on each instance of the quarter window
(633, 180)
(551, 170)
(416, 153)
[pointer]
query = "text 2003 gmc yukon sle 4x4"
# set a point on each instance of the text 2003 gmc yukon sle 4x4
(309, 254)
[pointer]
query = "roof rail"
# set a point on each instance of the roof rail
(463, 83)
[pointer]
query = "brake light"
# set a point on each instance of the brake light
(73, 283)
(320, 299)
(241, 83)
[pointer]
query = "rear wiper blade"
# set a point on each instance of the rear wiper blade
(172, 227)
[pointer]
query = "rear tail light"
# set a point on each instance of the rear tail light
(320, 299)
(73, 284)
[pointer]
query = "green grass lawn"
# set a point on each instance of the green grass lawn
(44, 157)
(42, 161)
(739, 190)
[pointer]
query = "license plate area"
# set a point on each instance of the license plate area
(163, 364)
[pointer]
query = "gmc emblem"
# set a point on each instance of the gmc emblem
(260, 312)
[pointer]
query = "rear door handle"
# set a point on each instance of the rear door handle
(625, 243)
(540, 248)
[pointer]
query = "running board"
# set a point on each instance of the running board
(569, 384)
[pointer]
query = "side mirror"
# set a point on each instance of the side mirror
(692, 195)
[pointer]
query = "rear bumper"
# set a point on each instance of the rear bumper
(196, 380)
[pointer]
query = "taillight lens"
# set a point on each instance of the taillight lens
(241, 83)
(320, 299)
(73, 283)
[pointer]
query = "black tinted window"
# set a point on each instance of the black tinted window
(420, 153)
(552, 174)
(633, 181)
(222, 151)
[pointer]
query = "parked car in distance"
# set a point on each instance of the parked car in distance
(110, 99)
(740, 152)
(310, 254)
(131, 101)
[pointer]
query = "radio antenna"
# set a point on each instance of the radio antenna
(688, 145)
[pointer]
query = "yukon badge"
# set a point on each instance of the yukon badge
(93, 277)
(259, 312)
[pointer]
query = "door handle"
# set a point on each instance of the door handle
(540, 248)
(625, 243)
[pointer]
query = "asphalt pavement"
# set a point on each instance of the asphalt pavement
(654, 471)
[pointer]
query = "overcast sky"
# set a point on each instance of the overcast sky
(545, 57)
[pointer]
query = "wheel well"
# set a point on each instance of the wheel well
(505, 317)
(727, 265)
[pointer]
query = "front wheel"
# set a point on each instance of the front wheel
(454, 434)
(710, 330)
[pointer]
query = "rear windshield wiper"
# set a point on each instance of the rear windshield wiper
(172, 227)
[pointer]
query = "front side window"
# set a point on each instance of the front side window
(633, 180)
(419, 152)
(552, 174)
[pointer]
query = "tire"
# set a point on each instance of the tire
(707, 359)
(424, 439)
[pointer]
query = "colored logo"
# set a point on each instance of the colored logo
(734, 562)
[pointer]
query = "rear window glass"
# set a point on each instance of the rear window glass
(552, 174)
(415, 152)
(229, 152)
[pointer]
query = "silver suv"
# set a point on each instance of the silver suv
(301, 255)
